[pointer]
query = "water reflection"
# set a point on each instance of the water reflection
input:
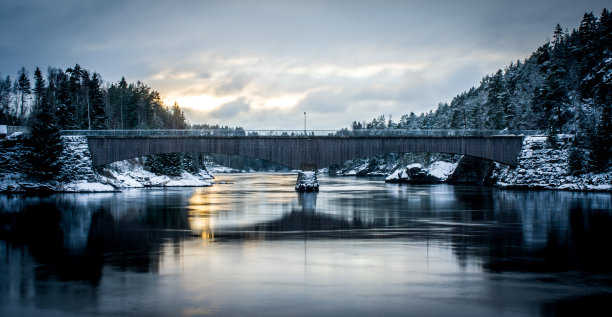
(527, 251)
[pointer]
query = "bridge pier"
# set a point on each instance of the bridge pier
(307, 181)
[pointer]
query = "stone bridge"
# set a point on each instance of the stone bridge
(305, 151)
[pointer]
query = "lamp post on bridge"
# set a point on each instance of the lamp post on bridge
(305, 133)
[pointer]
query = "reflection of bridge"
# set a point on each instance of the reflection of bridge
(297, 149)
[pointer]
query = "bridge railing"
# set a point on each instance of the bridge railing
(297, 133)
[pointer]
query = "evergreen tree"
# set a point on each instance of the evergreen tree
(96, 103)
(73, 97)
(5, 99)
(496, 100)
(24, 87)
(39, 87)
(601, 144)
(178, 118)
(45, 144)
(170, 164)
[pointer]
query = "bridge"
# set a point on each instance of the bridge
(299, 149)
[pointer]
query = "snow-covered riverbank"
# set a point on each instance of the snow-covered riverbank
(542, 167)
(78, 175)
(539, 167)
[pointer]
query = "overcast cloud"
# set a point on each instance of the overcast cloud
(261, 64)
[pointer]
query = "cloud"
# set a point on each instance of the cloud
(232, 85)
(262, 64)
(231, 109)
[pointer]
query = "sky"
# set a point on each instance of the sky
(262, 64)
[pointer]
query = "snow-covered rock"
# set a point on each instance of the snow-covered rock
(307, 182)
(87, 187)
(383, 165)
(437, 172)
(442, 170)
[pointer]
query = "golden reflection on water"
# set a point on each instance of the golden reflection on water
(209, 208)
(203, 204)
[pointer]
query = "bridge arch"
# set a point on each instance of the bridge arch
(298, 152)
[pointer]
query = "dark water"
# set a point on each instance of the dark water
(256, 247)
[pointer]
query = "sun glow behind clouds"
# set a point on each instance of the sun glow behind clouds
(362, 71)
(199, 102)
(277, 102)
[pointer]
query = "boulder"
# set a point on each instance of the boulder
(472, 170)
(417, 174)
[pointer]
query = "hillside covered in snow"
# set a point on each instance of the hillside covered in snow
(563, 87)
(77, 174)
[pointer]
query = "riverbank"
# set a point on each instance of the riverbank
(542, 167)
(539, 166)
(78, 176)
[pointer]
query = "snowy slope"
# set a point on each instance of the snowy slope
(541, 167)
(78, 175)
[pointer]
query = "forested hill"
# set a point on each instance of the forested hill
(79, 99)
(565, 86)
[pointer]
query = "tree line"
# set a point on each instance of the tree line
(78, 99)
(565, 86)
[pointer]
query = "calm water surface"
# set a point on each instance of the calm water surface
(256, 247)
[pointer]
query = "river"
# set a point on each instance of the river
(251, 245)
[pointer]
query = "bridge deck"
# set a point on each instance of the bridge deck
(297, 151)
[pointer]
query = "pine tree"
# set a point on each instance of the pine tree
(39, 88)
(45, 144)
(496, 102)
(5, 99)
(576, 158)
(73, 97)
(24, 90)
(170, 164)
(123, 90)
(601, 143)
(96, 103)
(178, 118)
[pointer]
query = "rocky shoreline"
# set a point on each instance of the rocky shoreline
(539, 167)
(542, 167)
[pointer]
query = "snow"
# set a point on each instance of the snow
(131, 174)
(541, 167)
(218, 169)
(307, 181)
(187, 180)
(442, 170)
(78, 175)
(438, 171)
(396, 175)
(86, 187)
(15, 136)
